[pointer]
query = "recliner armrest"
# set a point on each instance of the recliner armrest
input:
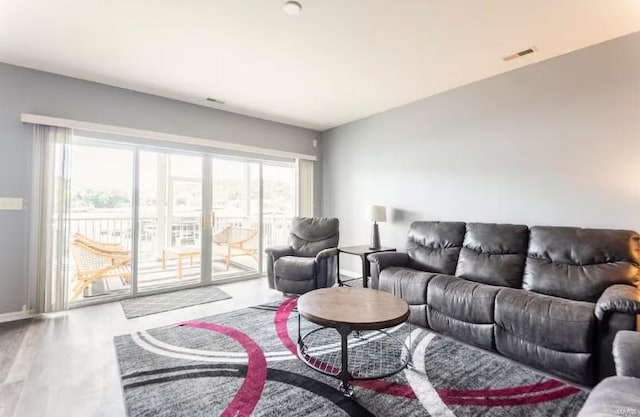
(626, 353)
(279, 251)
(326, 253)
(618, 298)
(386, 259)
(381, 260)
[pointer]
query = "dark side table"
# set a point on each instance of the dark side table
(362, 251)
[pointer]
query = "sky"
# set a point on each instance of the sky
(100, 167)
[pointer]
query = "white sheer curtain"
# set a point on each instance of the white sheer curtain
(305, 188)
(50, 204)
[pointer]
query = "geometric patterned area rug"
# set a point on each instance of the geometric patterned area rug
(243, 363)
(151, 304)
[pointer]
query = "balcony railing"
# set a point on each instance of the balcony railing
(184, 230)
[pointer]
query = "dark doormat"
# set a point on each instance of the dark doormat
(152, 304)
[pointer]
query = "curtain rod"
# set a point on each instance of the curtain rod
(159, 136)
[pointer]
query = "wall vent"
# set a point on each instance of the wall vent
(215, 100)
(520, 54)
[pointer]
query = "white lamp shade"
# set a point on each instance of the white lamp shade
(377, 213)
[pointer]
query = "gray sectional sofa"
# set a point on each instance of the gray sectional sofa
(552, 298)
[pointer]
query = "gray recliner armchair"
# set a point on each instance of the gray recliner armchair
(618, 395)
(310, 259)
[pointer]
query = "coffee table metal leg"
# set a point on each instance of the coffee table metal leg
(299, 334)
(345, 377)
(302, 349)
(409, 349)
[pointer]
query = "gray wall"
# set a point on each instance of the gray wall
(28, 91)
(555, 143)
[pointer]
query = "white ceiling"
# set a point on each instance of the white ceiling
(336, 62)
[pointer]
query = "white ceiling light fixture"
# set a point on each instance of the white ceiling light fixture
(292, 7)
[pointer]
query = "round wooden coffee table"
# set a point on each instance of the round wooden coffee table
(378, 355)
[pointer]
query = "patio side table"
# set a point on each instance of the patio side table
(180, 252)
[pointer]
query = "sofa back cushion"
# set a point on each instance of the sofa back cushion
(435, 246)
(494, 254)
(310, 235)
(580, 264)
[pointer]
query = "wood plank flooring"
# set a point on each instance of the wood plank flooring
(64, 364)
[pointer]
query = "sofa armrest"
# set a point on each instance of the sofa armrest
(273, 253)
(626, 353)
(381, 260)
(327, 267)
(326, 253)
(386, 259)
(618, 298)
(279, 251)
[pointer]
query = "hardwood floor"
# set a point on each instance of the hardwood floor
(64, 364)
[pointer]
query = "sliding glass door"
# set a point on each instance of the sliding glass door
(279, 203)
(169, 220)
(99, 221)
(145, 220)
(235, 218)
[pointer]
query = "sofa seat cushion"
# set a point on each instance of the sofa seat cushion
(552, 322)
(406, 283)
(547, 333)
(462, 309)
(410, 285)
(575, 367)
(614, 397)
(461, 299)
(295, 268)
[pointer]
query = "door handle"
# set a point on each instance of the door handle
(207, 221)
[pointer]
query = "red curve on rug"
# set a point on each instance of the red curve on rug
(486, 397)
(491, 401)
(250, 391)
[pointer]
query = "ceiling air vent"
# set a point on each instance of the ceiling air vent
(215, 100)
(520, 54)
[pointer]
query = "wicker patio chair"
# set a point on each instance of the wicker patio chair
(96, 244)
(99, 261)
(239, 241)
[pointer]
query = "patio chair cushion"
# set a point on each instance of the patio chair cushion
(295, 268)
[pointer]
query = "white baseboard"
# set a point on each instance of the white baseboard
(350, 274)
(17, 315)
